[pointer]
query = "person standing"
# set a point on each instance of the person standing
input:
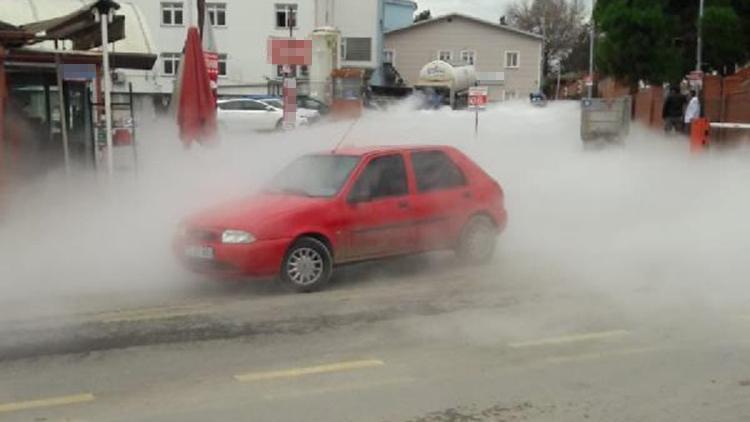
(673, 109)
(693, 111)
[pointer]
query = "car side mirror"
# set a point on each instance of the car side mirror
(269, 108)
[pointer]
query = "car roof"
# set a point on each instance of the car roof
(380, 149)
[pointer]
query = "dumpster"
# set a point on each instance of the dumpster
(605, 120)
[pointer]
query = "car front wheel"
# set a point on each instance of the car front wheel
(307, 265)
(478, 240)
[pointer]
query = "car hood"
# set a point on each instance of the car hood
(254, 212)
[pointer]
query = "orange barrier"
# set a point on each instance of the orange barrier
(699, 134)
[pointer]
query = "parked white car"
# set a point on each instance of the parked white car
(242, 115)
(310, 115)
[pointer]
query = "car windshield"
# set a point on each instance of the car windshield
(320, 176)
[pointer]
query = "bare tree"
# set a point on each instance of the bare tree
(561, 22)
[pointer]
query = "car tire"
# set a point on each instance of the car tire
(279, 125)
(478, 240)
(307, 265)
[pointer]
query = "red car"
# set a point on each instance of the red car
(346, 206)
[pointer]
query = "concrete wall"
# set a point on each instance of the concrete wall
(417, 46)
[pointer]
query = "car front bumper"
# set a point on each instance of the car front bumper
(258, 259)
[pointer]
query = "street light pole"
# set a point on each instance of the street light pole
(699, 53)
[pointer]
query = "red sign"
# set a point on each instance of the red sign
(478, 96)
(212, 65)
(289, 52)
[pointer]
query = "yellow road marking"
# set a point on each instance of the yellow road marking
(310, 370)
(54, 401)
(339, 388)
(569, 339)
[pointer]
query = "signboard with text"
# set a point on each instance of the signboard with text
(283, 51)
(478, 96)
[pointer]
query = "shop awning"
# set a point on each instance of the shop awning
(137, 61)
(79, 27)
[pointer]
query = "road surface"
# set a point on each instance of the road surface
(418, 339)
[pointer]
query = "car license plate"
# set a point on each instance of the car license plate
(201, 252)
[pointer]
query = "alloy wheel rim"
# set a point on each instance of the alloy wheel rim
(305, 266)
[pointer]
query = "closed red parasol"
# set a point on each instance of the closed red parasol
(196, 115)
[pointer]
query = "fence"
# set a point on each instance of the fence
(725, 99)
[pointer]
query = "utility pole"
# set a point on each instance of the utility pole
(592, 36)
(699, 53)
(290, 84)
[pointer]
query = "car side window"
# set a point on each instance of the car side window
(435, 170)
(383, 177)
(230, 105)
(253, 106)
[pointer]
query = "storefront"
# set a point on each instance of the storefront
(49, 97)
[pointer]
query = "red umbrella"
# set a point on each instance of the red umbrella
(196, 115)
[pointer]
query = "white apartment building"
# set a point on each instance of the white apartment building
(242, 28)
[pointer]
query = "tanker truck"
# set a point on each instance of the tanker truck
(444, 83)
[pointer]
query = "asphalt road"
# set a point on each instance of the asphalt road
(418, 339)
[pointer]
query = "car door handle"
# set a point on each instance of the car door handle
(403, 204)
(467, 195)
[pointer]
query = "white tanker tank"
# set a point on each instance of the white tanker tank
(447, 81)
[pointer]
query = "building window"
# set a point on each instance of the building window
(286, 16)
(170, 63)
(222, 65)
(445, 55)
(297, 71)
(389, 56)
(217, 14)
(469, 57)
(171, 13)
(512, 59)
(357, 49)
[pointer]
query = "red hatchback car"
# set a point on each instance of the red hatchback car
(347, 206)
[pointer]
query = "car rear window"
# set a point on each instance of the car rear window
(435, 170)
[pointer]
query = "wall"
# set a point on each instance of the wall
(398, 14)
(648, 106)
(417, 46)
(360, 18)
(249, 24)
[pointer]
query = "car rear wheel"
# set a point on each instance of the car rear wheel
(478, 240)
(307, 266)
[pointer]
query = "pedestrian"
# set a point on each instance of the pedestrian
(672, 111)
(693, 111)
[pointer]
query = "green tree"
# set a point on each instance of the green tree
(724, 42)
(636, 42)
(726, 30)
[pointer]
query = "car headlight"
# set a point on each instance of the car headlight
(236, 236)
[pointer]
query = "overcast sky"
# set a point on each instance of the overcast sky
(486, 9)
